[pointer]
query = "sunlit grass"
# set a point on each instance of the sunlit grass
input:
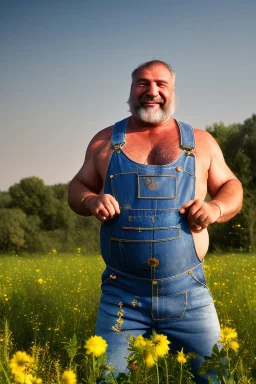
(47, 299)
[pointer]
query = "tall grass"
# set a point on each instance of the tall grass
(46, 300)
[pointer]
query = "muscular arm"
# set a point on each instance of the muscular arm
(87, 182)
(85, 195)
(222, 185)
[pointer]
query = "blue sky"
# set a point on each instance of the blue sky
(65, 72)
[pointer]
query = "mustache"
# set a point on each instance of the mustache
(148, 99)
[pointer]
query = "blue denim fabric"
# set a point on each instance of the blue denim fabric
(150, 256)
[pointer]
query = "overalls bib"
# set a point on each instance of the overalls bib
(151, 262)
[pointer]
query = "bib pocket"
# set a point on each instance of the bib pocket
(161, 187)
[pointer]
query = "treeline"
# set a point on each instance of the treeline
(36, 218)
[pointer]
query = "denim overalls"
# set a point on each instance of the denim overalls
(151, 263)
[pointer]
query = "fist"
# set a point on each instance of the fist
(200, 214)
(103, 207)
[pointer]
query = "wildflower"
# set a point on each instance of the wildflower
(54, 251)
(33, 380)
(37, 270)
(181, 358)
(40, 281)
(148, 358)
(68, 377)
(140, 342)
(160, 343)
(20, 362)
(234, 345)
(95, 345)
(227, 334)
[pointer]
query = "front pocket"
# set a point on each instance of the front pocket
(198, 276)
(153, 234)
(130, 255)
(170, 307)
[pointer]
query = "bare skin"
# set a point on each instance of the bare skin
(159, 144)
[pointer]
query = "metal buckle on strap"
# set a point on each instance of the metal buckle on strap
(188, 149)
(117, 146)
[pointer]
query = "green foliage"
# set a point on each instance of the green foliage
(238, 143)
(12, 229)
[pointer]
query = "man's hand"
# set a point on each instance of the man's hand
(200, 214)
(103, 207)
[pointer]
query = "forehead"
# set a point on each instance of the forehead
(154, 73)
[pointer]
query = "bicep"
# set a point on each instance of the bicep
(219, 173)
(88, 174)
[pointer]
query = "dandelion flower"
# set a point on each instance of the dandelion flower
(140, 342)
(181, 358)
(234, 345)
(161, 344)
(68, 377)
(40, 281)
(95, 345)
(148, 358)
(20, 362)
(227, 334)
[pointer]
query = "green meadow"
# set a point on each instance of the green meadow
(48, 300)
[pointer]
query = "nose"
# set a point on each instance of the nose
(153, 90)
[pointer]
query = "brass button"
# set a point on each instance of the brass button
(153, 262)
(190, 272)
(118, 152)
(113, 277)
(154, 282)
(178, 169)
(111, 176)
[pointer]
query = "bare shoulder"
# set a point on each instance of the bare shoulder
(205, 142)
(101, 140)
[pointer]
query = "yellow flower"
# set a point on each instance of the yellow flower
(33, 380)
(181, 358)
(40, 281)
(20, 362)
(140, 342)
(148, 358)
(160, 343)
(227, 334)
(24, 378)
(95, 345)
(234, 345)
(54, 251)
(68, 377)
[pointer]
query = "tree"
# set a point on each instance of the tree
(12, 229)
(238, 143)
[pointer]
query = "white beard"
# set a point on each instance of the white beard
(153, 115)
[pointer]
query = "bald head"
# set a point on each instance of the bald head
(153, 63)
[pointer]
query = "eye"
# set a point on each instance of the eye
(162, 85)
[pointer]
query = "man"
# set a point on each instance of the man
(146, 179)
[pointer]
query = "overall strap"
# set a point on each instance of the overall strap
(187, 139)
(118, 135)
